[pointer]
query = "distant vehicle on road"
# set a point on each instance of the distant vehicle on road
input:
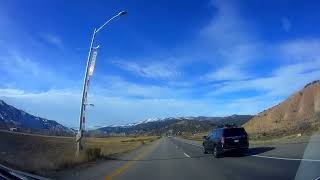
(225, 139)
(13, 129)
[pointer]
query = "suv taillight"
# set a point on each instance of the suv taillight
(222, 140)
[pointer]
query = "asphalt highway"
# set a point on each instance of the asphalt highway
(174, 158)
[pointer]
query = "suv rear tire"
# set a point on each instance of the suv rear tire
(205, 150)
(216, 153)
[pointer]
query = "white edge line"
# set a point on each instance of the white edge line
(271, 157)
(288, 159)
(317, 178)
(186, 155)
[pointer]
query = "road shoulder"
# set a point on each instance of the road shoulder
(100, 168)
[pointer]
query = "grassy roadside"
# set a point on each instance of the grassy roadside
(285, 136)
(286, 139)
(43, 154)
(195, 137)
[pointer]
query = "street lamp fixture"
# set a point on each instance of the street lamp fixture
(122, 13)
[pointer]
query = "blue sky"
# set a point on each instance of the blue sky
(165, 58)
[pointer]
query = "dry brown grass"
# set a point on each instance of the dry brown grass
(42, 154)
(280, 140)
(195, 137)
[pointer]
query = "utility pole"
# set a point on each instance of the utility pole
(88, 73)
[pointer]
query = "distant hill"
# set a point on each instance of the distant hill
(11, 117)
(300, 113)
(177, 125)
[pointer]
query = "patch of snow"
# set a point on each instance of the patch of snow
(189, 118)
(131, 124)
(136, 123)
(151, 120)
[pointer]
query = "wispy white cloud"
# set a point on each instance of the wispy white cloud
(61, 105)
(13, 63)
(293, 58)
(227, 73)
(53, 39)
(300, 50)
(11, 92)
(19, 70)
(149, 69)
(228, 28)
(276, 85)
(117, 86)
(252, 105)
(234, 42)
(239, 47)
(107, 110)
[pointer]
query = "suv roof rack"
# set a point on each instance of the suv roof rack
(232, 125)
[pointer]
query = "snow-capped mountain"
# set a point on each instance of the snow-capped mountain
(175, 124)
(137, 123)
(11, 117)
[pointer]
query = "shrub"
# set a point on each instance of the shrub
(142, 141)
(93, 153)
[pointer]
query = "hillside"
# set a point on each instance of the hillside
(300, 113)
(178, 125)
(11, 117)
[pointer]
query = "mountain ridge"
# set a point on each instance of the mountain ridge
(173, 125)
(12, 117)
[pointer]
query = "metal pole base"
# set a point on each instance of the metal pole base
(79, 148)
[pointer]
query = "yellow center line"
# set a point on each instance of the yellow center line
(124, 167)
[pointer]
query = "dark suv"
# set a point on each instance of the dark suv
(225, 139)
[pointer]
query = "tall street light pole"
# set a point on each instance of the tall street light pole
(89, 70)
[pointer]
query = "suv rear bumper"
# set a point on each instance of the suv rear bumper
(242, 148)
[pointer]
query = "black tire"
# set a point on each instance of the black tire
(205, 150)
(216, 153)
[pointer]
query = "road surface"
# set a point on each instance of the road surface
(174, 158)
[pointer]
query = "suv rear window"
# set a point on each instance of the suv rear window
(234, 132)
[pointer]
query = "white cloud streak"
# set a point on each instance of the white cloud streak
(300, 50)
(227, 73)
(117, 86)
(15, 64)
(53, 39)
(276, 85)
(63, 106)
(149, 70)
(234, 41)
(228, 28)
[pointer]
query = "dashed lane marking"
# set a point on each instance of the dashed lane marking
(186, 155)
(269, 157)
